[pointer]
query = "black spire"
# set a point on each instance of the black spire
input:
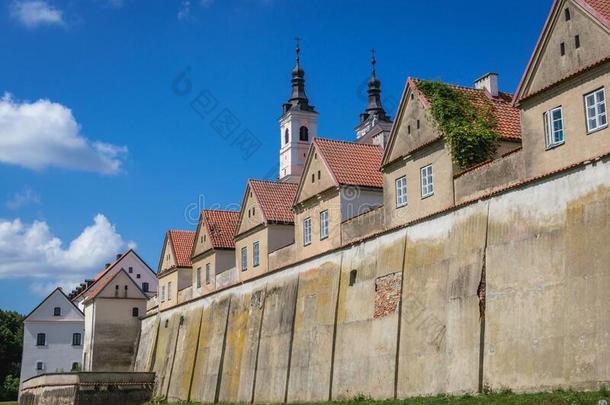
(298, 99)
(374, 107)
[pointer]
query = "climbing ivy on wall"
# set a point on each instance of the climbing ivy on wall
(468, 127)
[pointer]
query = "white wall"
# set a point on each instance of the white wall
(58, 353)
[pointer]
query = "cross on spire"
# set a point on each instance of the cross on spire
(373, 60)
(298, 48)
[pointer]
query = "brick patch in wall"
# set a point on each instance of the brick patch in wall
(387, 294)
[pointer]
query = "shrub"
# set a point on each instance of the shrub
(468, 127)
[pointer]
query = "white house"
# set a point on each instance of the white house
(52, 337)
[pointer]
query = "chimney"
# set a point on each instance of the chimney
(118, 256)
(488, 82)
(107, 265)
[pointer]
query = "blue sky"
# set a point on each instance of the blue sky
(101, 152)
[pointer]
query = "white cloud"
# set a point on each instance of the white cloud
(32, 251)
(24, 197)
(39, 134)
(33, 13)
(184, 13)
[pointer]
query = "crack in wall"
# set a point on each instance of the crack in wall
(481, 293)
(222, 353)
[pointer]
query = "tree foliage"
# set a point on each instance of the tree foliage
(11, 340)
(468, 127)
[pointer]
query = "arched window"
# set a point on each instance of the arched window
(303, 134)
(286, 136)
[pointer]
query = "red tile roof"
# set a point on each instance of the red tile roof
(97, 288)
(182, 246)
(600, 9)
(222, 226)
(508, 118)
(352, 163)
(275, 199)
(107, 279)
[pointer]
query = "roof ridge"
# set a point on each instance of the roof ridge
(214, 210)
(347, 142)
(460, 86)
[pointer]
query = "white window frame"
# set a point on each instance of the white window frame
(550, 130)
(307, 231)
(400, 185)
(42, 365)
(426, 174)
(324, 224)
(256, 252)
(244, 258)
(208, 274)
(596, 107)
(169, 291)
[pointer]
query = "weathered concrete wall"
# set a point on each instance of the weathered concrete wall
(210, 351)
(312, 345)
(496, 174)
(548, 322)
(440, 332)
(88, 388)
(146, 344)
(510, 291)
(242, 343)
(365, 347)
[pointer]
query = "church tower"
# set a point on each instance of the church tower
(298, 126)
(375, 124)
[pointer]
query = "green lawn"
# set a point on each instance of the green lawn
(551, 398)
(8, 403)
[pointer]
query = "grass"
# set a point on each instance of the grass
(505, 397)
(8, 403)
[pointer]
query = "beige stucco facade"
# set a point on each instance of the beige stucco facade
(217, 261)
(171, 282)
(329, 201)
(418, 206)
(246, 241)
(554, 80)
(251, 213)
(549, 65)
(579, 144)
(270, 238)
(112, 326)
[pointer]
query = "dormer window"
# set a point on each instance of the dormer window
(303, 134)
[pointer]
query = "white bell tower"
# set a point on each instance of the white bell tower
(298, 127)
